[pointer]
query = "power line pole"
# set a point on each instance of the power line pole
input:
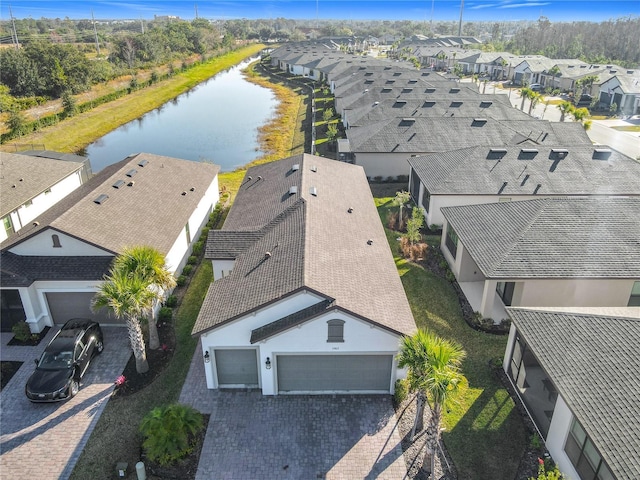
(95, 31)
(460, 24)
(15, 33)
(196, 5)
(142, 26)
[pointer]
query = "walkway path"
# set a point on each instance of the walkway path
(44, 441)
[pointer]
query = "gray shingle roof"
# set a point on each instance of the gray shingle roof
(586, 170)
(315, 244)
(151, 212)
(22, 271)
(593, 362)
(552, 237)
(289, 321)
(24, 176)
(426, 134)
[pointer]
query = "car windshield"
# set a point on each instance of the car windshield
(55, 360)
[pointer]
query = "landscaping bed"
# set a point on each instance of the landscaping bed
(7, 371)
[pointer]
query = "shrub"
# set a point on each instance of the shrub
(450, 276)
(392, 220)
(169, 432)
(192, 260)
(187, 270)
(165, 315)
(181, 280)
(197, 248)
(21, 331)
(171, 301)
(413, 251)
(401, 392)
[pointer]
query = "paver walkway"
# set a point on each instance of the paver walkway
(45, 440)
(254, 437)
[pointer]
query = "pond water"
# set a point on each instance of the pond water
(217, 121)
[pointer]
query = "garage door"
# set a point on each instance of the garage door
(334, 373)
(237, 368)
(66, 305)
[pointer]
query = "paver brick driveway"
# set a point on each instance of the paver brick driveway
(45, 440)
(305, 437)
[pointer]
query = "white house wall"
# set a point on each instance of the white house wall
(384, 164)
(600, 292)
(222, 268)
(178, 254)
(557, 436)
(308, 338)
(42, 245)
(42, 202)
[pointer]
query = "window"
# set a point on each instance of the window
(336, 331)
(452, 240)
(426, 199)
(186, 229)
(56, 241)
(47, 191)
(634, 299)
(28, 203)
(505, 291)
(414, 186)
(584, 456)
(8, 225)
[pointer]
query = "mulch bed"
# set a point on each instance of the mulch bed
(7, 371)
(184, 469)
(34, 340)
(158, 360)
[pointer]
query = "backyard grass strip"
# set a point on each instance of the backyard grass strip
(484, 433)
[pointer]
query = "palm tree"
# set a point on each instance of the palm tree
(433, 365)
(534, 98)
(565, 107)
(128, 297)
(400, 200)
(526, 93)
(150, 265)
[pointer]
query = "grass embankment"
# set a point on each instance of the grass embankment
(484, 432)
(283, 136)
(93, 124)
(116, 437)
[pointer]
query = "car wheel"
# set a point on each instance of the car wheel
(74, 388)
(99, 346)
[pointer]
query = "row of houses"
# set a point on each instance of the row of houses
(306, 297)
(539, 226)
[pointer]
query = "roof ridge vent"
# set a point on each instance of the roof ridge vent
(118, 184)
(100, 199)
(601, 153)
(559, 153)
(143, 163)
(131, 172)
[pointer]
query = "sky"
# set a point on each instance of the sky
(417, 10)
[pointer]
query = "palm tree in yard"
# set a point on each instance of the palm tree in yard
(526, 93)
(150, 265)
(433, 365)
(565, 107)
(128, 297)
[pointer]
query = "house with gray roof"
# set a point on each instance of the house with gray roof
(552, 252)
(623, 90)
(306, 297)
(383, 148)
(51, 269)
(577, 375)
(31, 182)
(522, 172)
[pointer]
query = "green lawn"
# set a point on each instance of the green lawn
(484, 432)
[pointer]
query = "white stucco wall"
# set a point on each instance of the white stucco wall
(222, 268)
(308, 338)
(557, 436)
(42, 245)
(574, 292)
(180, 250)
(384, 164)
(43, 201)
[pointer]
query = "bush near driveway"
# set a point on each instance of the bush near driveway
(484, 433)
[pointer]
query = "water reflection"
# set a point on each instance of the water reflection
(216, 121)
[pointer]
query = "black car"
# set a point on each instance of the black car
(65, 361)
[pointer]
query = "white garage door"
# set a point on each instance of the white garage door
(334, 373)
(236, 368)
(66, 305)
